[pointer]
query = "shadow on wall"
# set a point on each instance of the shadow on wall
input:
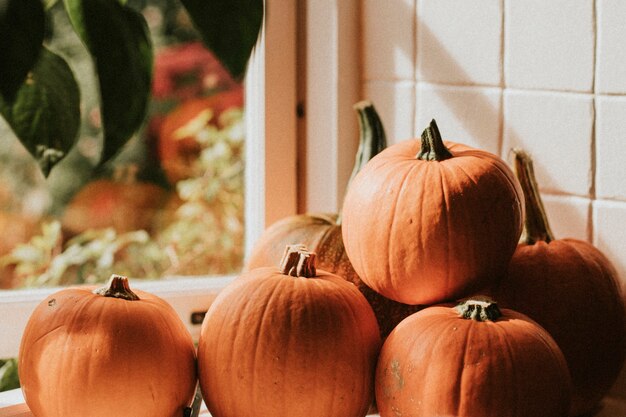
(472, 115)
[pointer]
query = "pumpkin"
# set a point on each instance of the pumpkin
(106, 352)
(178, 149)
(571, 289)
(321, 232)
(122, 203)
(426, 221)
(292, 341)
(471, 360)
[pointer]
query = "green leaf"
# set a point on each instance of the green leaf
(9, 378)
(228, 28)
(22, 27)
(45, 114)
(119, 41)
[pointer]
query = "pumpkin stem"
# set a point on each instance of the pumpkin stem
(372, 138)
(433, 148)
(536, 226)
(479, 309)
(298, 262)
(117, 287)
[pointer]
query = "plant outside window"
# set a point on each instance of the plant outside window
(121, 158)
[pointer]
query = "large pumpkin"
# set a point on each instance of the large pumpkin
(570, 288)
(425, 221)
(108, 352)
(288, 342)
(321, 232)
(474, 360)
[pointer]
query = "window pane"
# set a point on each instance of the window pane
(170, 203)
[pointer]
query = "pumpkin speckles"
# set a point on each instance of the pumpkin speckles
(486, 362)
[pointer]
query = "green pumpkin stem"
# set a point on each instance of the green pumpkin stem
(536, 226)
(479, 309)
(117, 287)
(298, 262)
(372, 138)
(433, 148)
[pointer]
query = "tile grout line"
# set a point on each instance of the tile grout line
(415, 69)
(593, 156)
(502, 78)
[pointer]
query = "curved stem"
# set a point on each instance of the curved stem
(479, 309)
(298, 262)
(433, 148)
(536, 226)
(117, 287)
(372, 138)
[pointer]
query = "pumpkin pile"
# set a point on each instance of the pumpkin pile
(370, 312)
(427, 222)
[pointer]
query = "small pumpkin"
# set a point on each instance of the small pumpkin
(123, 203)
(571, 289)
(321, 232)
(293, 341)
(471, 360)
(106, 352)
(426, 221)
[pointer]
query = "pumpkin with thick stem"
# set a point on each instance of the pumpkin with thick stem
(292, 341)
(468, 361)
(571, 289)
(426, 221)
(106, 352)
(321, 232)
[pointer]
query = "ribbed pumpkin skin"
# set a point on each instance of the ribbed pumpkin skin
(83, 354)
(275, 345)
(435, 363)
(322, 235)
(422, 232)
(570, 288)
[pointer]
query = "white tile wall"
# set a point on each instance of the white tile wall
(611, 55)
(469, 115)
(460, 41)
(556, 86)
(557, 130)
(549, 44)
(393, 100)
(610, 145)
(388, 42)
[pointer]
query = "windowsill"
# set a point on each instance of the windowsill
(12, 405)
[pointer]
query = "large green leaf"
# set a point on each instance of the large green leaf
(45, 114)
(22, 26)
(228, 28)
(119, 41)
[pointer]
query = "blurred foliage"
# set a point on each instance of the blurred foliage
(199, 231)
(8, 374)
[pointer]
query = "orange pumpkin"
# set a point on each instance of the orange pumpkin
(108, 352)
(123, 204)
(426, 221)
(570, 288)
(288, 342)
(178, 151)
(472, 360)
(321, 232)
